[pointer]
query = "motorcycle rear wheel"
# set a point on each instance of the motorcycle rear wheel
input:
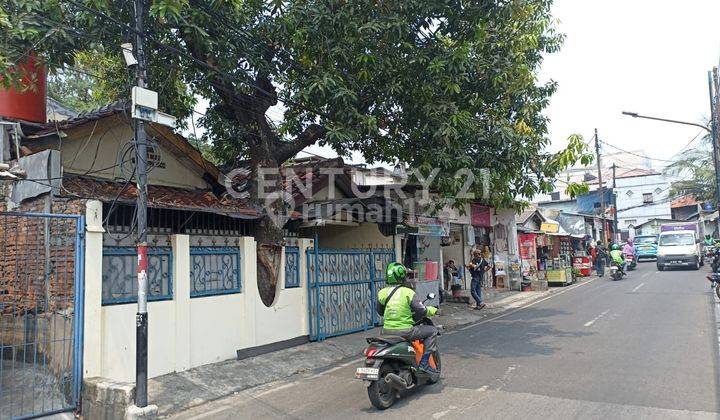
(382, 395)
(717, 290)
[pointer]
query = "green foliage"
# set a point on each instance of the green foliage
(443, 84)
(89, 84)
(696, 168)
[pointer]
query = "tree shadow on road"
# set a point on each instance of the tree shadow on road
(531, 333)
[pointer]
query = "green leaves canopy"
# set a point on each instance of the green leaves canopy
(697, 169)
(434, 84)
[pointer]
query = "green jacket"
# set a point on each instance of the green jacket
(617, 256)
(405, 307)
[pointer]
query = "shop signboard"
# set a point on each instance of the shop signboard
(480, 215)
(550, 227)
(430, 226)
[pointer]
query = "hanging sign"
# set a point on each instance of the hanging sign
(550, 227)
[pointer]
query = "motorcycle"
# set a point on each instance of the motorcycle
(714, 279)
(392, 366)
(630, 262)
(615, 272)
(708, 253)
(715, 264)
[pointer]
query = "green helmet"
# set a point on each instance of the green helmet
(395, 273)
(615, 247)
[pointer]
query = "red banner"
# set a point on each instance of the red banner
(480, 215)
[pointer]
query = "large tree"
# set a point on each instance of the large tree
(447, 84)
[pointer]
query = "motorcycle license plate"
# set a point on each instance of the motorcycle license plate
(367, 374)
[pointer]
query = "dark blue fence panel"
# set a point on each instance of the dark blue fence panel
(214, 271)
(292, 267)
(119, 277)
(342, 292)
(41, 313)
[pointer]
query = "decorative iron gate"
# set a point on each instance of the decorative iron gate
(41, 313)
(342, 289)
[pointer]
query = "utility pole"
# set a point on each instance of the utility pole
(601, 190)
(614, 204)
(713, 88)
(141, 321)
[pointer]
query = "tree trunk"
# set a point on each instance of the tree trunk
(266, 193)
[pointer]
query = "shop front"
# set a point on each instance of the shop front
(560, 264)
(481, 221)
(533, 259)
(422, 239)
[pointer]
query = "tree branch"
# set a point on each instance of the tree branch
(310, 136)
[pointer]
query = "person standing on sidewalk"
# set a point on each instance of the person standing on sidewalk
(600, 260)
(477, 266)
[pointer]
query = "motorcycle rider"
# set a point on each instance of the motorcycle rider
(400, 307)
(618, 257)
(629, 248)
(708, 240)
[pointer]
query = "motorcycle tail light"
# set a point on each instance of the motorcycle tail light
(371, 351)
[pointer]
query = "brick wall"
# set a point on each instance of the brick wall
(37, 270)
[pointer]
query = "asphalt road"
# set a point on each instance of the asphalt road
(643, 347)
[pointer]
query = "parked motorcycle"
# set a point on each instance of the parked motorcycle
(615, 272)
(392, 366)
(630, 262)
(715, 264)
(714, 279)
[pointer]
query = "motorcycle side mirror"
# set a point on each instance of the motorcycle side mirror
(431, 296)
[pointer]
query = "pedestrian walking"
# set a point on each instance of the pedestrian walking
(600, 260)
(477, 266)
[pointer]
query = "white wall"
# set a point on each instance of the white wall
(632, 209)
(184, 333)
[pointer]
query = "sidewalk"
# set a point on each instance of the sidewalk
(177, 392)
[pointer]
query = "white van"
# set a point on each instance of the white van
(679, 248)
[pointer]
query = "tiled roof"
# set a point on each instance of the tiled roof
(687, 200)
(302, 177)
(158, 196)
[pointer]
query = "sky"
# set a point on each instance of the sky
(645, 56)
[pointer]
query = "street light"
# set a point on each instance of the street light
(636, 115)
(711, 130)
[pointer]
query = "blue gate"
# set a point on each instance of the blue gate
(342, 289)
(41, 313)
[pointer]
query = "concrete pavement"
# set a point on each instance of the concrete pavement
(644, 347)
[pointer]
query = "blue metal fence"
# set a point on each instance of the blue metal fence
(41, 313)
(214, 271)
(119, 277)
(292, 267)
(342, 289)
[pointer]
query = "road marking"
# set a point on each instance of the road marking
(646, 274)
(503, 315)
(637, 287)
(212, 412)
(589, 323)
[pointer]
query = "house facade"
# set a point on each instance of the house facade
(642, 197)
